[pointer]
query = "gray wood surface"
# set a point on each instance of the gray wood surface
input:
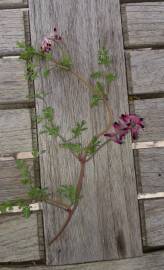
(145, 71)
(151, 261)
(13, 3)
(150, 169)
(106, 224)
(143, 24)
(15, 131)
(152, 110)
(10, 184)
(13, 86)
(19, 238)
(154, 222)
(11, 30)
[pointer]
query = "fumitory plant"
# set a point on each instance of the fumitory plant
(69, 194)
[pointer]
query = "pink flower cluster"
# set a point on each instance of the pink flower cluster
(47, 42)
(126, 123)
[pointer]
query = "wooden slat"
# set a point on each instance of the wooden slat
(150, 170)
(154, 222)
(152, 110)
(11, 30)
(19, 239)
(15, 131)
(145, 71)
(101, 228)
(10, 184)
(143, 24)
(13, 3)
(13, 86)
(151, 261)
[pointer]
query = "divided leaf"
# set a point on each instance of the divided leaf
(79, 128)
(68, 192)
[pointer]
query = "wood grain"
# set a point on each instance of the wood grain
(150, 169)
(19, 239)
(152, 260)
(143, 24)
(15, 131)
(145, 71)
(152, 110)
(10, 183)
(11, 31)
(13, 86)
(154, 222)
(106, 224)
(13, 3)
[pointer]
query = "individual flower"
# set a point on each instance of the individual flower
(49, 41)
(126, 123)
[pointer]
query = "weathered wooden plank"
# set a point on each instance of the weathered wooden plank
(154, 222)
(150, 169)
(13, 3)
(10, 184)
(11, 30)
(145, 71)
(15, 131)
(143, 24)
(19, 240)
(13, 86)
(152, 110)
(100, 229)
(152, 260)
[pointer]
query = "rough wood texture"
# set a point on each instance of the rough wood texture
(19, 240)
(143, 24)
(145, 71)
(151, 261)
(13, 3)
(154, 222)
(152, 110)
(150, 170)
(10, 184)
(11, 31)
(15, 131)
(105, 225)
(13, 86)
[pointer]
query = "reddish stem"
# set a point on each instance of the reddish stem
(71, 211)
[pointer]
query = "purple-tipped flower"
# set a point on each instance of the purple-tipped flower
(47, 42)
(126, 123)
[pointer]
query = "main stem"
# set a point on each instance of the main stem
(72, 210)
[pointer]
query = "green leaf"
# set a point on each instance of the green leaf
(24, 172)
(46, 72)
(96, 75)
(21, 45)
(36, 193)
(91, 149)
(110, 77)
(74, 147)
(79, 128)
(68, 192)
(99, 89)
(35, 153)
(26, 211)
(103, 57)
(95, 100)
(66, 62)
(48, 113)
(52, 131)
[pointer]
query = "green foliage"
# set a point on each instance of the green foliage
(110, 77)
(7, 205)
(26, 211)
(46, 72)
(66, 62)
(74, 147)
(48, 113)
(51, 130)
(68, 192)
(31, 73)
(103, 57)
(36, 193)
(91, 149)
(79, 128)
(96, 75)
(95, 100)
(99, 88)
(24, 171)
